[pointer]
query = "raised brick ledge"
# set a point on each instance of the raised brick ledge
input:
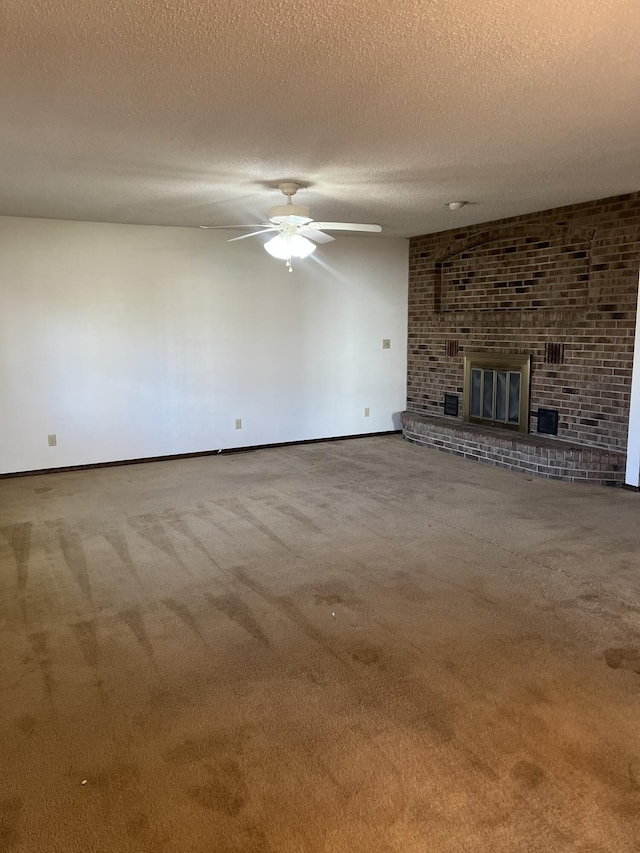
(533, 454)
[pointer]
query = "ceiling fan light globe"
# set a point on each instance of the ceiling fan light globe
(301, 247)
(285, 247)
(278, 247)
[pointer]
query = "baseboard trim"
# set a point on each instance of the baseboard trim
(171, 457)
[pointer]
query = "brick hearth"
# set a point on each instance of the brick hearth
(533, 454)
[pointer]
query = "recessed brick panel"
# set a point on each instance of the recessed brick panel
(522, 273)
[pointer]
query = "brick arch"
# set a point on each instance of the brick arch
(524, 237)
(610, 259)
(539, 232)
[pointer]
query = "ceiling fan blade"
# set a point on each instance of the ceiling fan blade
(345, 226)
(253, 233)
(316, 235)
(292, 219)
(250, 225)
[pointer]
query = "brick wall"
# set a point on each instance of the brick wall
(564, 276)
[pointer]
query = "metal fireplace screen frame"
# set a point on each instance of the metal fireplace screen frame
(500, 390)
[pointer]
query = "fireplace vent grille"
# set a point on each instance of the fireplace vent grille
(548, 421)
(451, 405)
(554, 353)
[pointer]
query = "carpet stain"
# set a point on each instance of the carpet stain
(433, 716)
(534, 694)
(10, 815)
(150, 528)
(39, 643)
(133, 619)
(528, 774)
(42, 490)
(247, 838)
(327, 599)
(367, 655)
(185, 616)
(176, 520)
(74, 555)
(408, 700)
(331, 593)
(481, 765)
(292, 512)
(19, 538)
(226, 792)
(235, 609)
(87, 638)
(292, 612)
(137, 825)
(26, 724)
(286, 606)
(590, 596)
(623, 659)
(116, 777)
(119, 544)
(194, 750)
(613, 768)
(237, 508)
(40, 646)
(407, 588)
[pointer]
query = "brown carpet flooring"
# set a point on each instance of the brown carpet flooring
(352, 646)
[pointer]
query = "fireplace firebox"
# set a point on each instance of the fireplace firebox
(496, 390)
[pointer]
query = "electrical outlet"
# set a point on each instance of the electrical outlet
(238, 423)
(366, 411)
(53, 440)
(386, 343)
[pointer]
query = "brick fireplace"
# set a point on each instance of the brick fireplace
(556, 289)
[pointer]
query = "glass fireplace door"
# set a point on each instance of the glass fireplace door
(495, 396)
(496, 390)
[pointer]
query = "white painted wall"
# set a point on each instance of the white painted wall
(131, 341)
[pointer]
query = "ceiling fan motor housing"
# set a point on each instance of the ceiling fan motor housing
(279, 213)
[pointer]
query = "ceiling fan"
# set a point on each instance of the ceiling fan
(296, 232)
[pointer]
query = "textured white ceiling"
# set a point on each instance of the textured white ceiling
(182, 112)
